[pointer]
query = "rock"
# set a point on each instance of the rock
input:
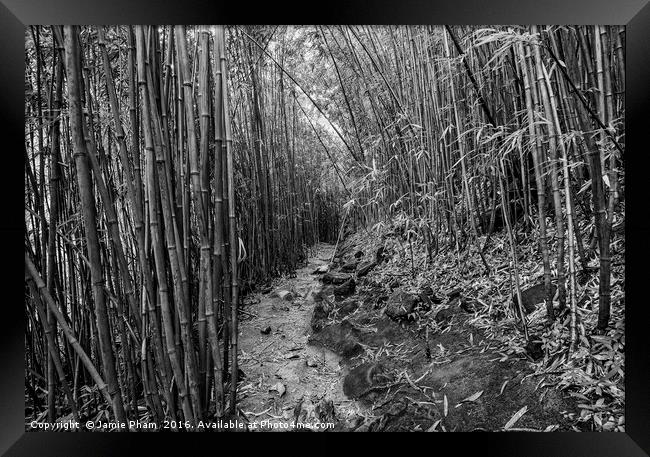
(320, 315)
(320, 270)
(346, 307)
(311, 363)
(285, 295)
(349, 267)
(388, 331)
(365, 268)
(345, 289)
(266, 330)
(323, 310)
(401, 304)
(335, 278)
(444, 316)
(357, 382)
(532, 296)
(341, 338)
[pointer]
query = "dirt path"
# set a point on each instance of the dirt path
(445, 374)
(286, 379)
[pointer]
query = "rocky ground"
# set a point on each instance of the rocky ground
(368, 339)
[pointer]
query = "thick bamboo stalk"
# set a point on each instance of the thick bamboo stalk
(90, 219)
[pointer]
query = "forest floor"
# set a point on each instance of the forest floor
(384, 339)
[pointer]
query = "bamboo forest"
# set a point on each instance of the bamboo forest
(324, 228)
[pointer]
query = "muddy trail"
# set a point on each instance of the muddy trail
(340, 344)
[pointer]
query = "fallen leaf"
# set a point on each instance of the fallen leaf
(503, 387)
(473, 397)
(516, 417)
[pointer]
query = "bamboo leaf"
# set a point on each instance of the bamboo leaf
(513, 420)
(473, 397)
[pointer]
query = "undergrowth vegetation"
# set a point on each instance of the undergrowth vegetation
(593, 373)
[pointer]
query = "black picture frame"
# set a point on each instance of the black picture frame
(635, 14)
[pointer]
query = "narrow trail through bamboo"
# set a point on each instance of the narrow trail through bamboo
(282, 355)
